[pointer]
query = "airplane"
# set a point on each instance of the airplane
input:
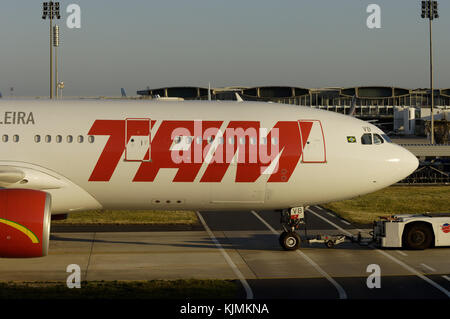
(62, 157)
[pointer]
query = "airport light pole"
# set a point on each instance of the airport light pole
(50, 10)
(430, 12)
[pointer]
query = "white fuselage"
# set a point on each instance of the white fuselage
(92, 154)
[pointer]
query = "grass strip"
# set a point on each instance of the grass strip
(155, 217)
(393, 200)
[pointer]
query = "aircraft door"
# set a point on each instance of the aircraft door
(313, 143)
(137, 139)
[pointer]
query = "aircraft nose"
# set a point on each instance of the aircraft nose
(404, 161)
(411, 163)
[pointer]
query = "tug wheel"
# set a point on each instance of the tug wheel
(418, 236)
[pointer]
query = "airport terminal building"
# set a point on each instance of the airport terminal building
(401, 111)
(369, 99)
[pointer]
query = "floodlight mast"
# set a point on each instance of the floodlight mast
(430, 12)
(50, 10)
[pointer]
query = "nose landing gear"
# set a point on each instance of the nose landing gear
(290, 221)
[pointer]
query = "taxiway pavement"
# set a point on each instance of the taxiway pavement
(244, 246)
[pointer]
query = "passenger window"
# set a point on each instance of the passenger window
(48, 138)
(263, 140)
(91, 139)
(80, 139)
(58, 138)
(366, 139)
(15, 138)
(242, 140)
(377, 139)
(275, 140)
(69, 139)
(5, 138)
(231, 140)
(253, 140)
(37, 138)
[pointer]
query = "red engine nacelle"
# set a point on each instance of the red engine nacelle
(24, 223)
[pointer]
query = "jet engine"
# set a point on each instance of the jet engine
(25, 217)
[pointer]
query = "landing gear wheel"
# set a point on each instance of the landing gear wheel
(418, 237)
(289, 240)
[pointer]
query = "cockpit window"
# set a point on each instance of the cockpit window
(386, 138)
(377, 139)
(366, 139)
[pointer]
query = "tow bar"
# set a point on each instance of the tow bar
(329, 240)
(292, 219)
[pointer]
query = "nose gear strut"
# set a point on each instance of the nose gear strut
(291, 220)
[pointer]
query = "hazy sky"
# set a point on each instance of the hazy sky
(139, 43)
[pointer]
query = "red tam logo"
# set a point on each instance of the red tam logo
(187, 145)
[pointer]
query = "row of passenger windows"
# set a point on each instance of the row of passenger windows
(48, 138)
(231, 140)
(177, 140)
(59, 138)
